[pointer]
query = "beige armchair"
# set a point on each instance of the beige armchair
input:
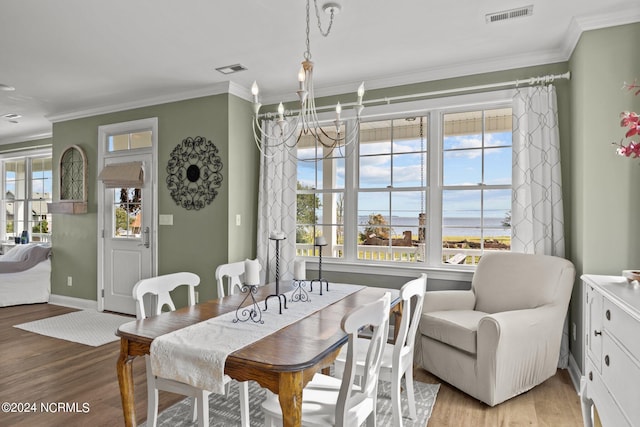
(502, 337)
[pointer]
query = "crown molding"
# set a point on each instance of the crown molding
(26, 138)
(215, 89)
(579, 25)
(527, 59)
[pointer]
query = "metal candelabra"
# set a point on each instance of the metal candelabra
(320, 280)
(282, 299)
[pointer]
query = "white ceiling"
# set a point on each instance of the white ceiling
(71, 58)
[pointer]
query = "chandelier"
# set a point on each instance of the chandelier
(305, 121)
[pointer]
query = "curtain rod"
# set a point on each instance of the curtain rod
(549, 78)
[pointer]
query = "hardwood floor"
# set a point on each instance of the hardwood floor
(38, 369)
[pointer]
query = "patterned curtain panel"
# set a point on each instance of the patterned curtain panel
(537, 221)
(276, 207)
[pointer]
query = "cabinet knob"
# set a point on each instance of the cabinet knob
(608, 315)
(606, 360)
(590, 376)
(596, 333)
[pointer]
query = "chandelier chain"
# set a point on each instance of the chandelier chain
(307, 54)
(324, 33)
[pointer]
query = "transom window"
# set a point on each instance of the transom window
(431, 187)
(130, 141)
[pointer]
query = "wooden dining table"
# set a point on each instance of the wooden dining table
(283, 362)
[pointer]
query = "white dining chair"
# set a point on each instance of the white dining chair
(232, 274)
(160, 286)
(330, 401)
(397, 359)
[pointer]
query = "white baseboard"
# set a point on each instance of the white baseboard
(574, 373)
(79, 303)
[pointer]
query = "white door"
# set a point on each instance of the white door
(127, 249)
(127, 242)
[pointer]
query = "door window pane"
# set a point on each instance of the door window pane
(127, 212)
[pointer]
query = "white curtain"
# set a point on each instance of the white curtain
(276, 206)
(537, 221)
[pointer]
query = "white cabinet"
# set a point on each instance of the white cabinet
(611, 378)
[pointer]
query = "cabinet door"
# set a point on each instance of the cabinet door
(594, 327)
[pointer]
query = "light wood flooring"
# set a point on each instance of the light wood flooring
(38, 369)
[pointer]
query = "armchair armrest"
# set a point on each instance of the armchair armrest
(514, 347)
(448, 300)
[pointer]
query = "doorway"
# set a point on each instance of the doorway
(127, 220)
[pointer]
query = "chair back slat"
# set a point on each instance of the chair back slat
(160, 286)
(374, 314)
(412, 296)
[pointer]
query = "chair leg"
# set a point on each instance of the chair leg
(194, 409)
(408, 377)
(152, 405)
(243, 394)
(396, 403)
(202, 403)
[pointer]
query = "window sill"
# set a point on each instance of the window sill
(455, 272)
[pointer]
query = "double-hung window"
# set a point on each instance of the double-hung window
(425, 184)
(27, 188)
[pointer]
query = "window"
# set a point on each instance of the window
(27, 188)
(130, 141)
(429, 187)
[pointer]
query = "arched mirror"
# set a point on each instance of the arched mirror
(73, 182)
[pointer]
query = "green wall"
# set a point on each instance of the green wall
(600, 191)
(605, 199)
(199, 240)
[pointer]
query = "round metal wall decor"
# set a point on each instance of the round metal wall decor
(194, 173)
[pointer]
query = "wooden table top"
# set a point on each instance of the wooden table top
(296, 347)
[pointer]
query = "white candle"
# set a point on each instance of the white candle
(321, 241)
(252, 272)
(277, 235)
(299, 270)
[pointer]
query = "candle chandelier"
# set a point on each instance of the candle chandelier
(305, 123)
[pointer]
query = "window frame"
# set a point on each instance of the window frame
(434, 109)
(28, 156)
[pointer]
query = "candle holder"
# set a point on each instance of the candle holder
(299, 293)
(251, 312)
(320, 280)
(282, 299)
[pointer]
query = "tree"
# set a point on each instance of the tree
(40, 227)
(306, 214)
(374, 222)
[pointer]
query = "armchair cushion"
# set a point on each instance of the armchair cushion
(458, 328)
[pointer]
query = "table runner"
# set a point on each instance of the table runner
(196, 354)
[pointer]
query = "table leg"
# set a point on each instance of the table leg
(290, 396)
(125, 380)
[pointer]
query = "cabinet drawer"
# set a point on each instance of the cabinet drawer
(621, 375)
(622, 326)
(608, 410)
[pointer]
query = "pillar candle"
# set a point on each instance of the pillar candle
(299, 269)
(252, 272)
(276, 235)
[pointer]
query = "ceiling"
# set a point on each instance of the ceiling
(73, 58)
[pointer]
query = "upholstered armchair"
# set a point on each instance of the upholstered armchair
(502, 337)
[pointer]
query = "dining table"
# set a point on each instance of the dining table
(283, 361)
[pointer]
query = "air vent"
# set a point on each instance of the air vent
(11, 116)
(230, 69)
(520, 12)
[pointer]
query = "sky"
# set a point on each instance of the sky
(462, 165)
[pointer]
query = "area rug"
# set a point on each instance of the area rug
(224, 410)
(87, 327)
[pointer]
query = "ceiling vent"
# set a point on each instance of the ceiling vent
(12, 116)
(230, 69)
(520, 12)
